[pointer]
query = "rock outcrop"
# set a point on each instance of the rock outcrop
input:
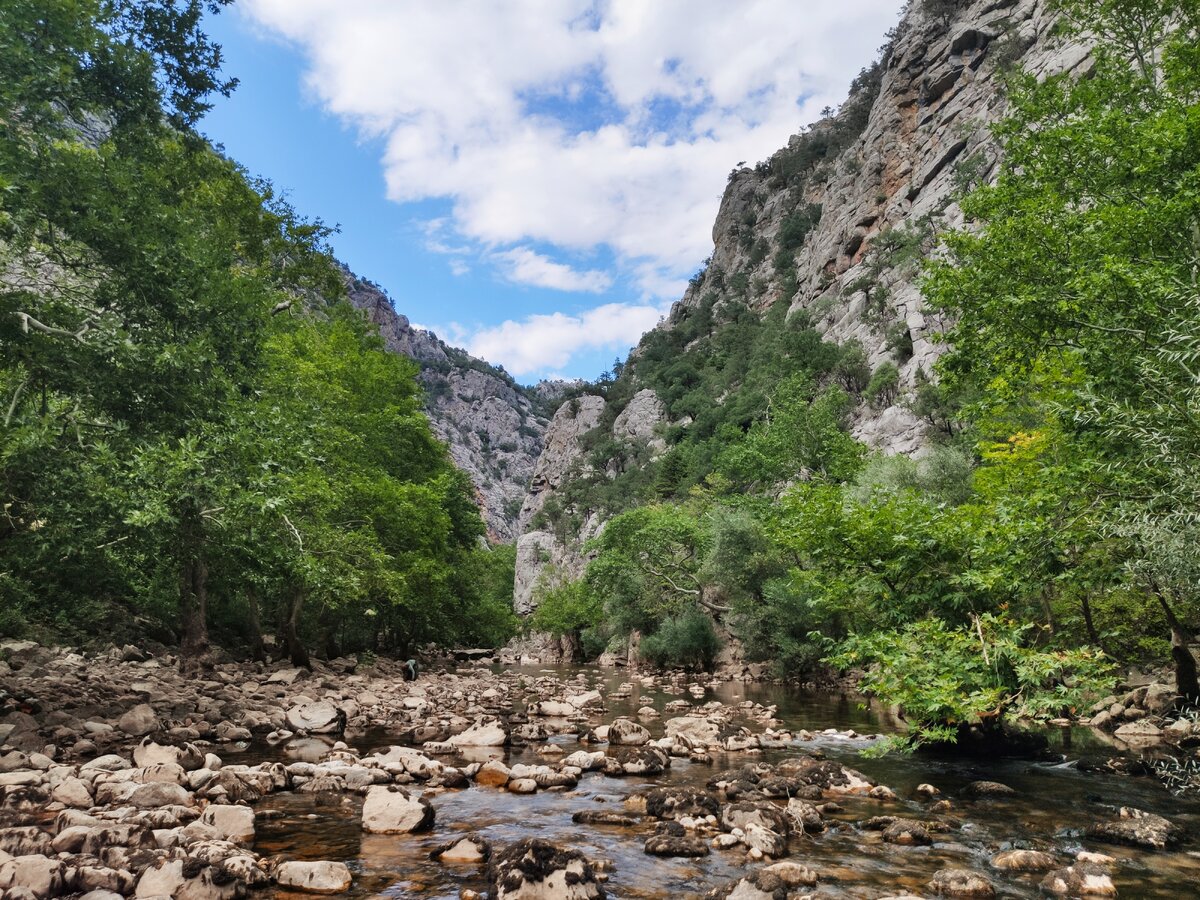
(493, 426)
(835, 225)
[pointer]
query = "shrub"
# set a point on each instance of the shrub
(948, 678)
(883, 387)
(687, 640)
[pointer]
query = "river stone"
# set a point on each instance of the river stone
(470, 848)
(765, 840)
(534, 869)
(628, 733)
(765, 815)
(988, 789)
(696, 731)
(73, 792)
(160, 793)
(1023, 861)
(235, 823)
(481, 734)
(805, 815)
(390, 810)
(907, 833)
(1079, 880)
(1139, 732)
(793, 874)
(961, 883)
(139, 721)
(323, 877)
(605, 817)
(318, 717)
(1138, 829)
(493, 773)
(672, 839)
(40, 875)
(552, 708)
(148, 753)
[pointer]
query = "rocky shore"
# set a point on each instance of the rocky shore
(120, 777)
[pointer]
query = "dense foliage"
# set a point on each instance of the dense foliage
(1051, 529)
(196, 431)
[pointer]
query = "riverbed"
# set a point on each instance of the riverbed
(1053, 804)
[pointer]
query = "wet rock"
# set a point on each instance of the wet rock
(672, 839)
(522, 786)
(979, 789)
(805, 816)
(676, 802)
(832, 778)
(765, 815)
(1137, 828)
(585, 761)
(961, 883)
(904, 832)
(626, 732)
(538, 870)
(605, 817)
(1079, 880)
(765, 840)
(493, 773)
(636, 761)
(1139, 732)
(390, 810)
(470, 848)
(1023, 861)
(775, 882)
(322, 877)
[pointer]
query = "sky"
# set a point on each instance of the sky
(534, 180)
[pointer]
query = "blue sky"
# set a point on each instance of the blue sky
(533, 180)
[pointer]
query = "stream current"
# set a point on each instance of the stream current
(1053, 804)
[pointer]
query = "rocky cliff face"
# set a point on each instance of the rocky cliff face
(491, 424)
(835, 224)
(842, 237)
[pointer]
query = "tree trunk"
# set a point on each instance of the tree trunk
(329, 640)
(1086, 606)
(1186, 682)
(193, 596)
(291, 631)
(258, 650)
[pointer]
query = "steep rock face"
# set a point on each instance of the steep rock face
(870, 212)
(562, 451)
(835, 225)
(492, 426)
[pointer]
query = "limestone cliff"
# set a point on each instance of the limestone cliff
(854, 226)
(833, 225)
(492, 425)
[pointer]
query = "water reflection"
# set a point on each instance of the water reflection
(1054, 803)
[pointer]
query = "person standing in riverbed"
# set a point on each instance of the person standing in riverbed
(410, 670)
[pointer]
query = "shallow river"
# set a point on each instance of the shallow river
(1054, 803)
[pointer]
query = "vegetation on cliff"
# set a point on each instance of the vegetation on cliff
(1053, 523)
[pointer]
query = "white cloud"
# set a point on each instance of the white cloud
(475, 102)
(524, 266)
(542, 343)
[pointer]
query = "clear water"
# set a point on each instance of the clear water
(1054, 803)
